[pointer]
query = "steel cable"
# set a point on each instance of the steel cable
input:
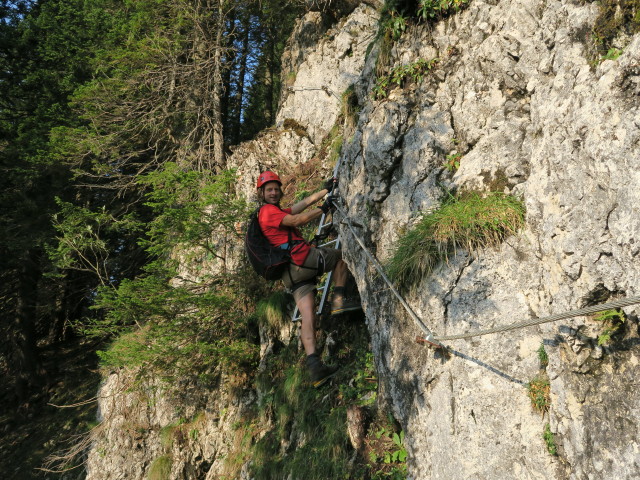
(431, 338)
(625, 302)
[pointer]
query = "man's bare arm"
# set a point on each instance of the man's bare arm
(301, 219)
(302, 205)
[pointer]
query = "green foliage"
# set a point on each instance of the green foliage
(85, 239)
(302, 192)
(615, 17)
(273, 310)
(611, 321)
(612, 54)
(543, 357)
(319, 448)
(180, 333)
(160, 468)
(436, 9)
(452, 162)
(539, 391)
(396, 24)
(400, 74)
(400, 453)
(470, 220)
(362, 389)
(187, 327)
(549, 440)
(386, 452)
(190, 206)
(395, 16)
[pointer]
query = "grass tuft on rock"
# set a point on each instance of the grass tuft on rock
(539, 391)
(273, 310)
(160, 468)
(471, 221)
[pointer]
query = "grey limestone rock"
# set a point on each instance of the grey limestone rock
(516, 94)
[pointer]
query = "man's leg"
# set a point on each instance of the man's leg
(340, 274)
(307, 307)
(338, 302)
(318, 371)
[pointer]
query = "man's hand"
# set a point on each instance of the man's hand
(326, 206)
(330, 184)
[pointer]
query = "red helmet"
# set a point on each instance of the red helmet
(266, 177)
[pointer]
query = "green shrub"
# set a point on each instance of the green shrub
(386, 453)
(452, 162)
(549, 440)
(184, 327)
(436, 9)
(160, 468)
(611, 321)
(364, 385)
(400, 74)
(539, 391)
(273, 310)
(470, 221)
(543, 357)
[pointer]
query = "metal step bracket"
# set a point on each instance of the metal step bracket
(333, 244)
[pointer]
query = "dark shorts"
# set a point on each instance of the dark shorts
(309, 270)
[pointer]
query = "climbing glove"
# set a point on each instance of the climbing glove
(326, 206)
(330, 184)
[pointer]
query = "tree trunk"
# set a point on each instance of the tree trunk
(229, 61)
(269, 94)
(216, 114)
(25, 354)
(242, 70)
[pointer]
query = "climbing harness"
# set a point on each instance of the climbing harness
(335, 243)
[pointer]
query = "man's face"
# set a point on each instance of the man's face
(272, 193)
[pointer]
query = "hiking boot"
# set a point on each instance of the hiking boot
(340, 304)
(318, 371)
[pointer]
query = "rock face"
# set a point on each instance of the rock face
(515, 92)
(316, 78)
(186, 433)
(516, 95)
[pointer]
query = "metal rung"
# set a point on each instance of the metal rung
(325, 291)
(325, 288)
(328, 243)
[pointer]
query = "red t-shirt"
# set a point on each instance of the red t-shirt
(270, 219)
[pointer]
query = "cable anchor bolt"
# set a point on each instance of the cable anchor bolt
(430, 342)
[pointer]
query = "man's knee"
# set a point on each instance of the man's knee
(306, 303)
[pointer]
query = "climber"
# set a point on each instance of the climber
(280, 226)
